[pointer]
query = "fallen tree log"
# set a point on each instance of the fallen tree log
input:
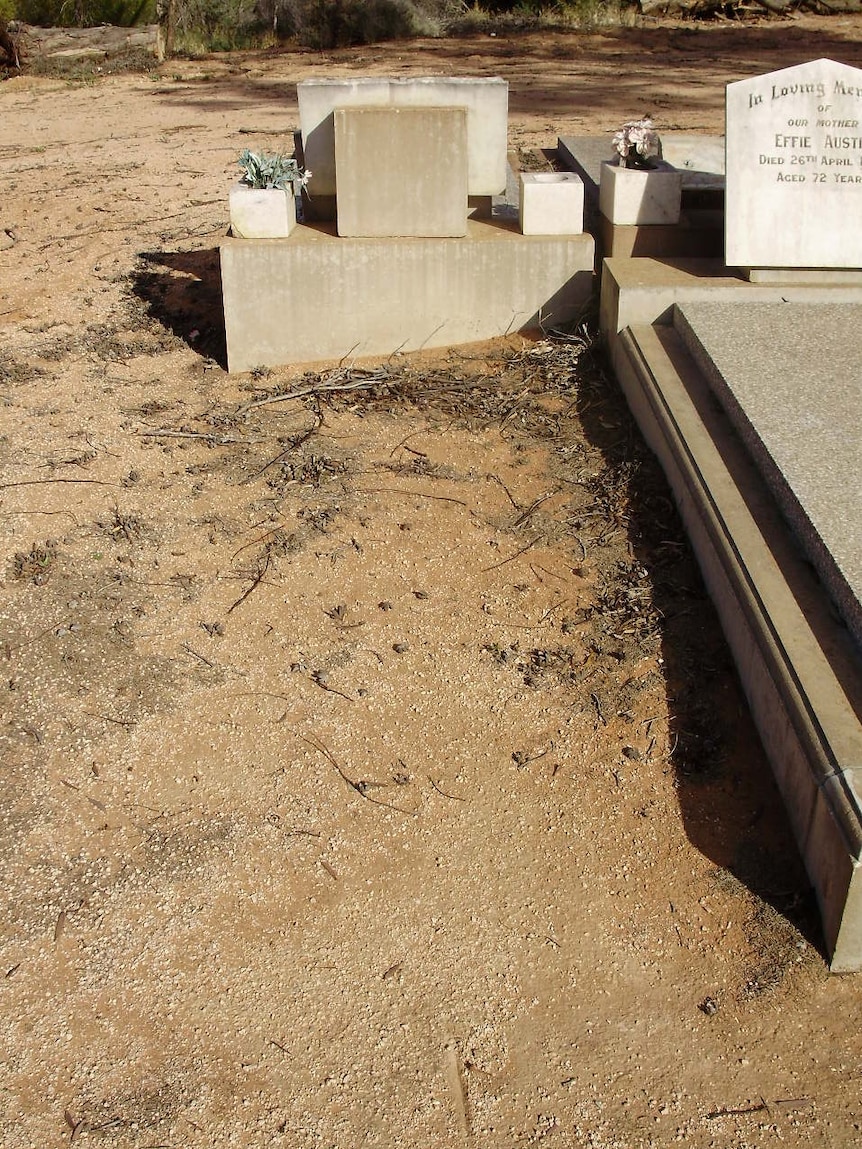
(107, 40)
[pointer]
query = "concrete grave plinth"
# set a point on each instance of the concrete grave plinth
(316, 296)
(794, 168)
(801, 424)
(758, 440)
(486, 101)
(401, 171)
(635, 196)
(700, 229)
(551, 203)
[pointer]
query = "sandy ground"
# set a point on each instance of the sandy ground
(374, 770)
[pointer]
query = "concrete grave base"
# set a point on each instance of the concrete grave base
(316, 296)
(800, 668)
(696, 235)
(807, 276)
(699, 160)
(799, 422)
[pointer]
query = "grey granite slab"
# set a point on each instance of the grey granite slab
(789, 376)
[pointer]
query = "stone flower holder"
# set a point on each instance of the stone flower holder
(551, 203)
(262, 213)
(640, 195)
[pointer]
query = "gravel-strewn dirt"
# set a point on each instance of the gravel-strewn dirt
(374, 770)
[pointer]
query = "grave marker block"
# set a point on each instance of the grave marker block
(401, 171)
(794, 168)
(486, 101)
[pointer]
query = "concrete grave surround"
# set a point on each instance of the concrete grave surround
(785, 412)
(698, 159)
(551, 203)
(316, 296)
(486, 101)
(757, 436)
(700, 228)
(632, 196)
(794, 168)
(401, 171)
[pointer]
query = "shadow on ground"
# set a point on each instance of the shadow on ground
(731, 807)
(182, 291)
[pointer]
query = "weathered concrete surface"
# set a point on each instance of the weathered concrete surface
(699, 233)
(809, 276)
(261, 213)
(638, 291)
(790, 378)
(629, 196)
(699, 160)
(486, 100)
(551, 203)
(799, 667)
(316, 296)
(401, 171)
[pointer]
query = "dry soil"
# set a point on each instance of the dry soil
(374, 769)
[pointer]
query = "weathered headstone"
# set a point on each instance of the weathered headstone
(794, 168)
(401, 171)
(486, 100)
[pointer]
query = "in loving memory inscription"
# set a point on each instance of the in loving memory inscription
(794, 168)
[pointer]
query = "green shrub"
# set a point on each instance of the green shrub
(523, 15)
(216, 25)
(340, 23)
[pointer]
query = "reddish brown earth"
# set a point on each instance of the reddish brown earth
(374, 771)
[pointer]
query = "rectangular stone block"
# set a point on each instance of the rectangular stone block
(401, 171)
(794, 168)
(485, 99)
(316, 296)
(551, 203)
(261, 213)
(632, 196)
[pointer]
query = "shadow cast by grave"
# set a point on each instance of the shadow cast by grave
(182, 290)
(731, 808)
